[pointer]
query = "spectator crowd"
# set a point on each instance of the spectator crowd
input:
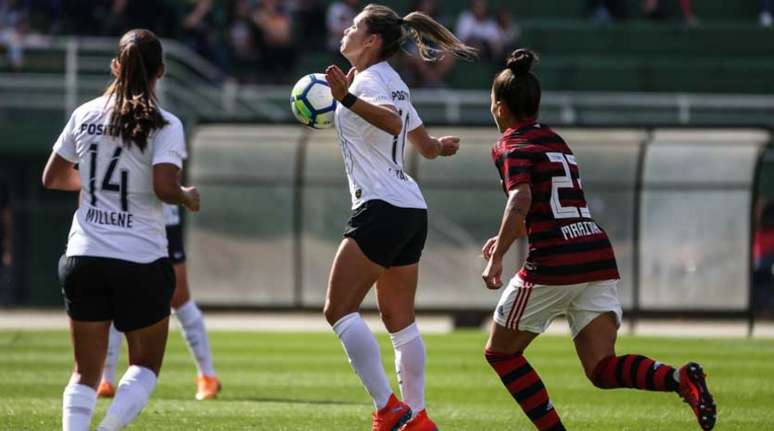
(252, 40)
(264, 40)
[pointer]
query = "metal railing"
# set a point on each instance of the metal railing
(278, 200)
(197, 90)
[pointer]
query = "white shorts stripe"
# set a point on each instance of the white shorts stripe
(527, 291)
(514, 306)
(531, 307)
(517, 303)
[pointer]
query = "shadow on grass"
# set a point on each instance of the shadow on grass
(255, 399)
(298, 401)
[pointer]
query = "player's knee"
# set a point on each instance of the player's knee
(150, 357)
(396, 320)
(492, 353)
(593, 378)
(180, 298)
(387, 317)
(598, 374)
(334, 312)
(86, 377)
(328, 313)
(149, 363)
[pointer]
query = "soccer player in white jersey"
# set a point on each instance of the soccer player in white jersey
(129, 154)
(385, 236)
(188, 315)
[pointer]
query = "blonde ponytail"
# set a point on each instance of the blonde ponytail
(423, 27)
(417, 26)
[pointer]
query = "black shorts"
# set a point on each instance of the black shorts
(388, 235)
(175, 243)
(132, 295)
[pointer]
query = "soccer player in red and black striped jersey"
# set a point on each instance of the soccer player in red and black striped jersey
(570, 268)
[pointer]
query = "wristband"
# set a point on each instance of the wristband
(349, 100)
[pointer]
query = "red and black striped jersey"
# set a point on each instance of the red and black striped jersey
(566, 246)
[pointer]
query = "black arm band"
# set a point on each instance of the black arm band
(349, 100)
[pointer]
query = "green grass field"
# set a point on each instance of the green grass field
(275, 381)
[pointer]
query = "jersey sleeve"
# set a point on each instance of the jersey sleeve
(65, 144)
(414, 120)
(516, 168)
(370, 89)
(169, 145)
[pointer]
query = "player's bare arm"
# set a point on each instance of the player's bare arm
(512, 227)
(166, 185)
(431, 147)
(384, 117)
(59, 174)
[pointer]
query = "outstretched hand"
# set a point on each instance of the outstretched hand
(192, 200)
(449, 145)
(338, 81)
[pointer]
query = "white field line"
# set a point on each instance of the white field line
(221, 321)
(314, 322)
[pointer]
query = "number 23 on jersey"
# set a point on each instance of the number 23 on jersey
(565, 182)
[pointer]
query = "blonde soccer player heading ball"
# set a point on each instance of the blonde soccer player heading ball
(384, 238)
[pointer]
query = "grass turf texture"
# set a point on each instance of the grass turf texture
(280, 382)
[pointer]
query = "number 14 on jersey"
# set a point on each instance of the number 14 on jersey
(107, 184)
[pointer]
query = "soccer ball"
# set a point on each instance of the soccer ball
(312, 103)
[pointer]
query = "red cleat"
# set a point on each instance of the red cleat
(420, 423)
(106, 390)
(207, 387)
(693, 390)
(392, 416)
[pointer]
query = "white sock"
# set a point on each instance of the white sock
(78, 403)
(363, 352)
(132, 394)
(410, 366)
(192, 324)
(111, 360)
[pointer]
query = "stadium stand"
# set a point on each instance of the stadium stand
(632, 55)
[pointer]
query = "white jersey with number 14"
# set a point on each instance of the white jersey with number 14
(119, 215)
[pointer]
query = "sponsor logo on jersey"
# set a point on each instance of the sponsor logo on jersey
(399, 95)
(399, 174)
(99, 129)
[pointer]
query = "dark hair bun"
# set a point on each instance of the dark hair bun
(520, 61)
